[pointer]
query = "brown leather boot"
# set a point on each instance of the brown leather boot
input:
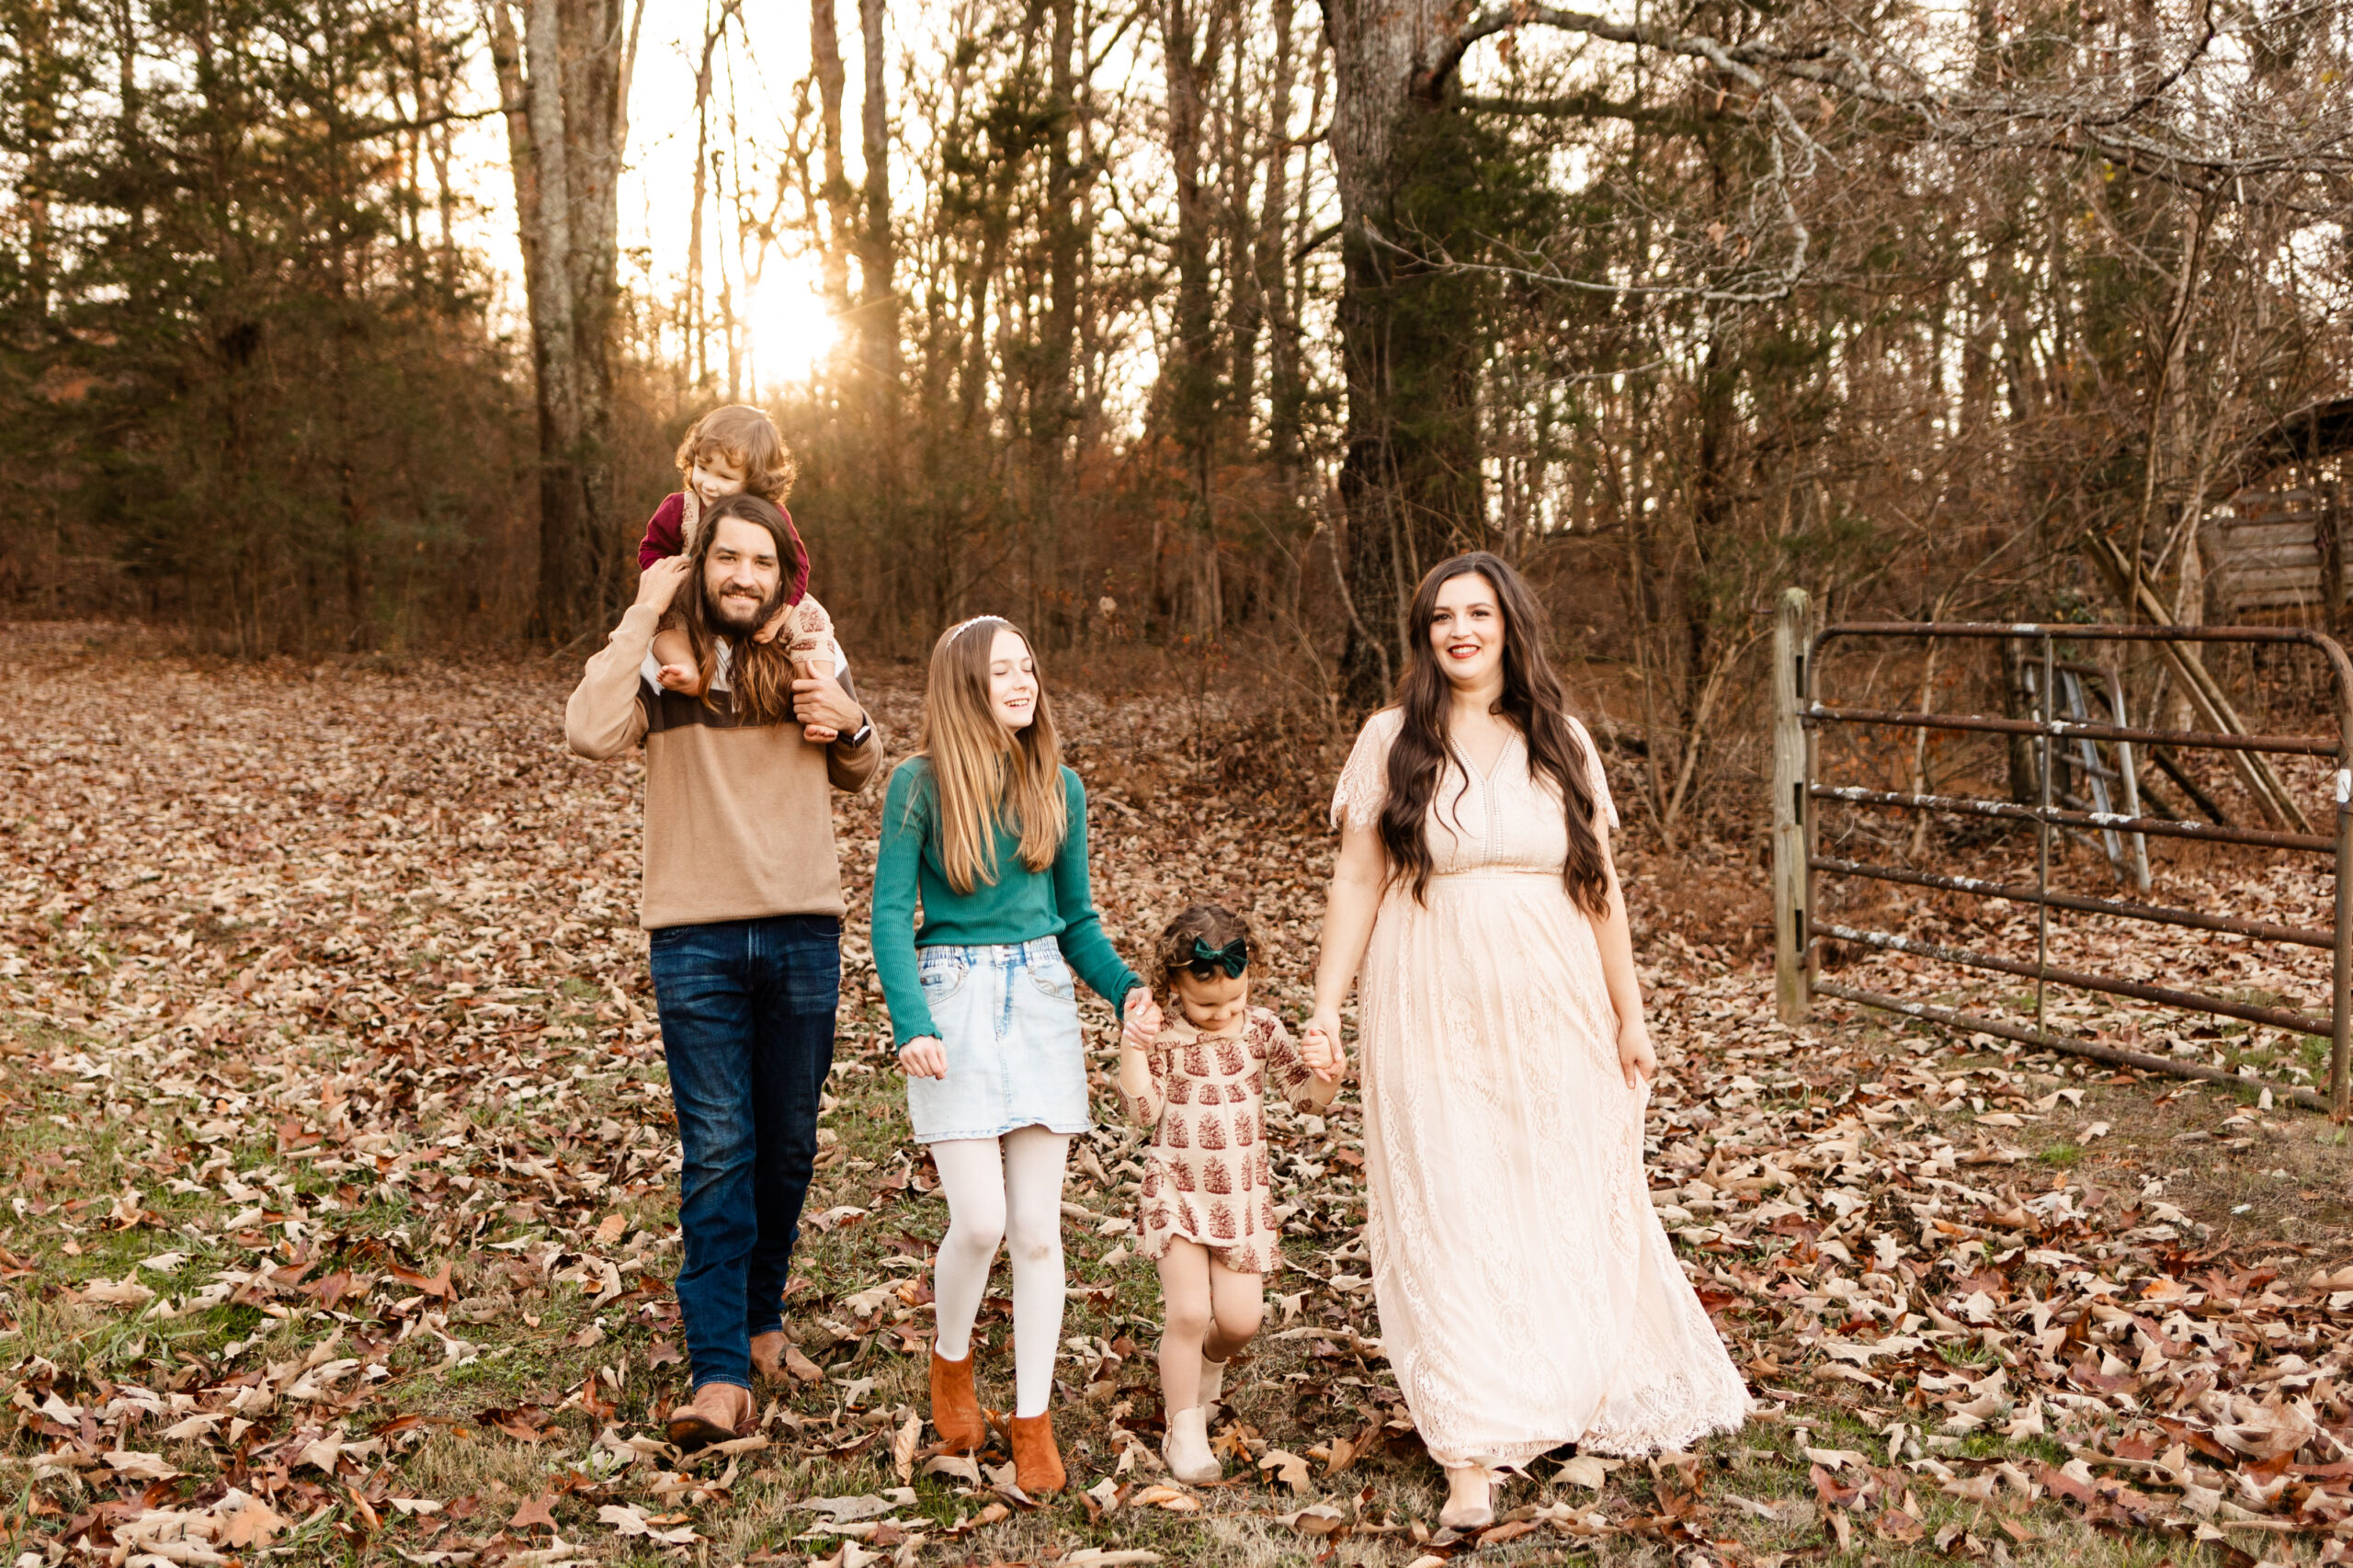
(1037, 1463)
(955, 1408)
(767, 1357)
(717, 1412)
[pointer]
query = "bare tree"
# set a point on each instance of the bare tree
(564, 70)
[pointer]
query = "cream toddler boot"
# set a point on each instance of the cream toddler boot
(1186, 1449)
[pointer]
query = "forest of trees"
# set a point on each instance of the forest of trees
(1198, 324)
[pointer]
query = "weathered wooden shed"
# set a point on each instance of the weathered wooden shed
(2276, 549)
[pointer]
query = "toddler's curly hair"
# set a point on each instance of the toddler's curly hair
(1210, 923)
(747, 437)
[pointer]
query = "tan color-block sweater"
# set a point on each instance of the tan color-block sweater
(739, 818)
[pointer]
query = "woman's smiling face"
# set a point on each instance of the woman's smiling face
(1467, 629)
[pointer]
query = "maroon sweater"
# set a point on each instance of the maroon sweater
(666, 534)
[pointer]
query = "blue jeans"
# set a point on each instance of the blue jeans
(747, 1026)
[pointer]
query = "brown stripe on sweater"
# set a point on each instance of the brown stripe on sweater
(667, 709)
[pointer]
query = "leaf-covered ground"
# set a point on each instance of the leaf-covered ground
(340, 1171)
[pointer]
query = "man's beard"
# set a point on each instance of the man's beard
(716, 609)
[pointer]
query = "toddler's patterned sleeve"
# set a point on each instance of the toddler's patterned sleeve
(1607, 808)
(1364, 782)
(811, 630)
(1285, 1071)
(1143, 1110)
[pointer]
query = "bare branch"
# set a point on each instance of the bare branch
(1578, 106)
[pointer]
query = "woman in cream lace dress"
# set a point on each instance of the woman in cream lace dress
(1528, 1294)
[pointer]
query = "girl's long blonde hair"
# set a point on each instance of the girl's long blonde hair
(984, 775)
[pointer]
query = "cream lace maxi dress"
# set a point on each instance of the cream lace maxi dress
(1528, 1294)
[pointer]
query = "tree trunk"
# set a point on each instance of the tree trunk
(1410, 478)
(825, 62)
(877, 256)
(1189, 48)
(698, 309)
(877, 319)
(1268, 261)
(1054, 406)
(565, 81)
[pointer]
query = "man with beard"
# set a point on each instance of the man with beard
(743, 899)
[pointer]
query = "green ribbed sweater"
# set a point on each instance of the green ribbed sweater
(1021, 905)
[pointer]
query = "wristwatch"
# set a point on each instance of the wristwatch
(865, 729)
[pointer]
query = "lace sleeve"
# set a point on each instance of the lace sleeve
(1593, 770)
(1364, 782)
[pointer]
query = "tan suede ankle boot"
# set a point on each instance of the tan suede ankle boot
(1037, 1462)
(955, 1408)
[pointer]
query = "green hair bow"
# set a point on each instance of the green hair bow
(1233, 958)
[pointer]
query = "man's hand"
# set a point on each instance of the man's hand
(924, 1058)
(658, 583)
(823, 701)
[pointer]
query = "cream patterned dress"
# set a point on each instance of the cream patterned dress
(1206, 1176)
(1528, 1296)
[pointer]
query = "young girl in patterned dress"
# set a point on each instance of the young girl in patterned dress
(1207, 1208)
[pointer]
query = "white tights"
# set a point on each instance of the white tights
(1007, 1190)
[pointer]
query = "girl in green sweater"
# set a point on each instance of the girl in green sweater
(987, 829)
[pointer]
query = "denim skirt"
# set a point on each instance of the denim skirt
(1017, 1058)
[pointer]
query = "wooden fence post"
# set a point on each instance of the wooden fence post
(1790, 781)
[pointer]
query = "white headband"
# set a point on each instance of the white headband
(972, 621)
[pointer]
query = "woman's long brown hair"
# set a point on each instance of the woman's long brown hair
(759, 675)
(1531, 699)
(983, 775)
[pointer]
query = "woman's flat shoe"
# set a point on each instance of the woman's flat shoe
(1469, 1499)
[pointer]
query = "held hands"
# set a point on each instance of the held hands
(1319, 1045)
(924, 1058)
(1635, 1057)
(1321, 1052)
(1141, 1019)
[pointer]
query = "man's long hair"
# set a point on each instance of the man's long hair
(984, 776)
(758, 674)
(1532, 700)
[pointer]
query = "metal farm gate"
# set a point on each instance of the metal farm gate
(2078, 709)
